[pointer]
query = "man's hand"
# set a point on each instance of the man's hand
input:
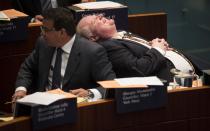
(18, 94)
(38, 18)
(80, 92)
(160, 43)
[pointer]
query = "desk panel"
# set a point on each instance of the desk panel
(102, 116)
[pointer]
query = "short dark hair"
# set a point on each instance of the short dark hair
(62, 18)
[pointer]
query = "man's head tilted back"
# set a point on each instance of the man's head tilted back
(95, 27)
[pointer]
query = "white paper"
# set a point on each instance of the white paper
(98, 5)
(42, 98)
(3, 16)
(151, 80)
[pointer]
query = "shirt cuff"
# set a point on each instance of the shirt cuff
(21, 88)
(97, 95)
(160, 50)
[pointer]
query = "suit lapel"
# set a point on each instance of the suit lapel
(73, 61)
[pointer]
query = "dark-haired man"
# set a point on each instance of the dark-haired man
(81, 62)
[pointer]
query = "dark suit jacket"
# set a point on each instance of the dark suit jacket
(33, 7)
(88, 63)
(130, 59)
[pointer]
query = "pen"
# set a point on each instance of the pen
(9, 102)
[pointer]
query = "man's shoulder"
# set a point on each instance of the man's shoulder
(87, 43)
(112, 43)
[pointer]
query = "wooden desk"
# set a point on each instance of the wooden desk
(187, 110)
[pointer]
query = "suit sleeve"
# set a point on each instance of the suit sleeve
(102, 67)
(28, 70)
(125, 59)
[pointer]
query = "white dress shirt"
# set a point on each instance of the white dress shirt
(54, 3)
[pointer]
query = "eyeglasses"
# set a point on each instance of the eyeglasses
(45, 29)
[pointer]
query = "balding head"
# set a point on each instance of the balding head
(96, 27)
(84, 27)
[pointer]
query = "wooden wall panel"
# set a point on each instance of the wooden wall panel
(148, 26)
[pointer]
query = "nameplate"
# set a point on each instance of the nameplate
(13, 30)
(60, 112)
(120, 15)
(138, 99)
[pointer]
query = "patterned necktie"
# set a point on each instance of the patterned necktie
(46, 4)
(56, 79)
(132, 37)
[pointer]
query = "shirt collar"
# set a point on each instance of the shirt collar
(67, 47)
(119, 35)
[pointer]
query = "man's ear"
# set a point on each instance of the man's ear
(63, 30)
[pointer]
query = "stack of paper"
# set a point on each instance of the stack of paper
(3, 16)
(9, 14)
(131, 82)
(98, 5)
(46, 98)
(150, 80)
(68, 95)
(41, 98)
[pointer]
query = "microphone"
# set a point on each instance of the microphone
(20, 6)
(138, 71)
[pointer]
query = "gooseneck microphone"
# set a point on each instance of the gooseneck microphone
(175, 71)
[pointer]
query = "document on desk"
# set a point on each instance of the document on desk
(7, 15)
(98, 5)
(12, 13)
(42, 98)
(68, 95)
(3, 16)
(6, 118)
(151, 80)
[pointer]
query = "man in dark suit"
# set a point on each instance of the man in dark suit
(83, 62)
(131, 55)
(35, 7)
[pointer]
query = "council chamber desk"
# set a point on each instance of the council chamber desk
(186, 110)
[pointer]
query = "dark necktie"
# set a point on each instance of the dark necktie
(56, 79)
(46, 4)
